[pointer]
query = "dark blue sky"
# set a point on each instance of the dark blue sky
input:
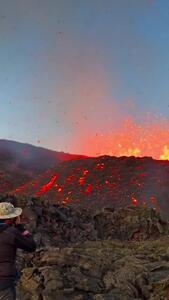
(73, 67)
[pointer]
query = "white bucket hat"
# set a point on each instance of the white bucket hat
(8, 211)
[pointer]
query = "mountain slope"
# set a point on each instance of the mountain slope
(19, 163)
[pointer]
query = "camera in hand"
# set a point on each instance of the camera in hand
(20, 227)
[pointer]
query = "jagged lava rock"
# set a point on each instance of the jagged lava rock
(127, 258)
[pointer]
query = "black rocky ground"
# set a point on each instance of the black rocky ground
(83, 254)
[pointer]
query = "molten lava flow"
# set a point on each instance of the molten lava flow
(99, 166)
(85, 172)
(88, 189)
(81, 180)
(134, 200)
(46, 187)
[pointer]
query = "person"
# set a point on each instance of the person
(13, 235)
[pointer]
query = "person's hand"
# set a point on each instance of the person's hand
(22, 229)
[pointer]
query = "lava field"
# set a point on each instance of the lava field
(104, 181)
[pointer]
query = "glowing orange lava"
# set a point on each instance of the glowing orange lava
(165, 155)
(131, 139)
(47, 186)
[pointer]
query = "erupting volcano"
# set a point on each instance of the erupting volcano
(149, 138)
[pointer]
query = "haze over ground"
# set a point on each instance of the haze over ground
(87, 77)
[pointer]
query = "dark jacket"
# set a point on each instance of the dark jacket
(11, 239)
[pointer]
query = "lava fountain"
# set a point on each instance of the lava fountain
(150, 139)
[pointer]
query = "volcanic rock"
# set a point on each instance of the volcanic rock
(99, 270)
(60, 225)
(83, 254)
